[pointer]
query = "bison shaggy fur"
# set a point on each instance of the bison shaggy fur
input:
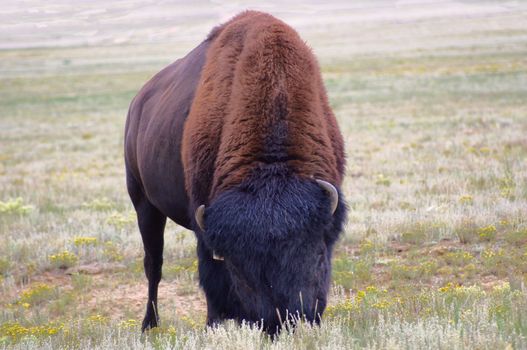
(236, 141)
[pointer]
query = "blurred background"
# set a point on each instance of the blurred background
(338, 26)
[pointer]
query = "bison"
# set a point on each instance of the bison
(237, 142)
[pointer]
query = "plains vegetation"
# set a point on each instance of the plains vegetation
(433, 109)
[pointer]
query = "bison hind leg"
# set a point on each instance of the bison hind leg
(152, 226)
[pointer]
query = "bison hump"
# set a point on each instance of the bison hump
(260, 101)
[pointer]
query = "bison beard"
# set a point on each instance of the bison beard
(237, 142)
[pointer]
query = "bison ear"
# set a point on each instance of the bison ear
(333, 194)
(198, 215)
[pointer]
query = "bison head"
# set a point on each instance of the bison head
(275, 234)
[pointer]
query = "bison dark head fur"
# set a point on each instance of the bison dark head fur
(276, 232)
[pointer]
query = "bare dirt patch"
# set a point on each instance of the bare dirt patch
(130, 299)
(111, 297)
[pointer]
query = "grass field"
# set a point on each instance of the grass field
(433, 109)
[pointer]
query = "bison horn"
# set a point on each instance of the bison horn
(200, 212)
(332, 191)
(217, 257)
(198, 215)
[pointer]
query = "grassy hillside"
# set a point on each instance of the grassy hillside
(434, 254)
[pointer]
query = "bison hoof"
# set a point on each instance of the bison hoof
(149, 322)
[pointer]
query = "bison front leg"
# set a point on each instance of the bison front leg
(222, 303)
(152, 226)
